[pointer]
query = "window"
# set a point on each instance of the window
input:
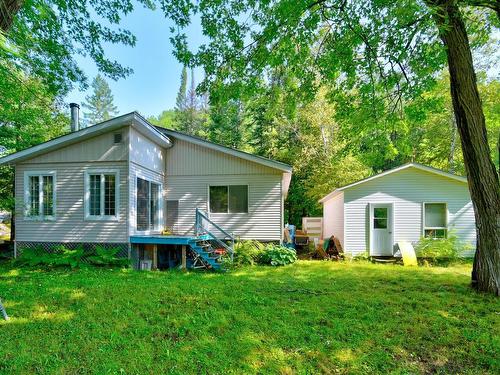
(40, 195)
(380, 217)
(228, 199)
(435, 220)
(117, 138)
(148, 205)
(101, 194)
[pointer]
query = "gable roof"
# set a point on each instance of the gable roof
(133, 119)
(227, 150)
(418, 166)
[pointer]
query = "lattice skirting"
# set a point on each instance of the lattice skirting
(56, 247)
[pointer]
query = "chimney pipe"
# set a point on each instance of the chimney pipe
(75, 117)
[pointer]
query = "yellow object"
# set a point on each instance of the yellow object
(408, 253)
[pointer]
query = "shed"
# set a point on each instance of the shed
(402, 204)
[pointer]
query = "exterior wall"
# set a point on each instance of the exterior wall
(100, 148)
(191, 169)
(69, 224)
(147, 160)
(407, 189)
(333, 218)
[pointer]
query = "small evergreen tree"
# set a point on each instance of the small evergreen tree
(100, 104)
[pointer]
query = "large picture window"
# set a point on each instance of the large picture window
(148, 205)
(435, 220)
(228, 199)
(40, 195)
(101, 194)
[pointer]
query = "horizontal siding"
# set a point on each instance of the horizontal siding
(100, 148)
(333, 218)
(145, 152)
(69, 224)
(187, 159)
(263, 221)
(148, 174)
(407, 189)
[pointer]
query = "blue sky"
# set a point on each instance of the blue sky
(153, 86)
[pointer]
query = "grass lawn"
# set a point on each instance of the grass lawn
(311, 317)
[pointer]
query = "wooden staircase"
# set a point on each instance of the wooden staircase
(211, 244)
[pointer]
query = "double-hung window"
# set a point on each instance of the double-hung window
(101, 195)
(228, 199)
(148, 205)
(40, 195)
(435, 220)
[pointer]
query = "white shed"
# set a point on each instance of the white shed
(401, 204)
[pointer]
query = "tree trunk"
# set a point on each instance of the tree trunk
(8, 10)
(481, 173)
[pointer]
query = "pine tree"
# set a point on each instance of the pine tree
(100, 104)
(180, 102)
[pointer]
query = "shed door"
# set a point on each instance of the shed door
(381, 220)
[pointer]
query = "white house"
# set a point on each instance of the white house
(402, 204)
(121, 182)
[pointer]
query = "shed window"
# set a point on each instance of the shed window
(148, 205)
(101, 195)
(228, 199)
(40, 195)
(435, 220)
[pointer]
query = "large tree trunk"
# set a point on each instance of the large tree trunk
(481, 173)
(8, 10)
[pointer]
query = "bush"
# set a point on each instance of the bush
(277, 255)
(440, 250)
(64, 257)
(247, 252)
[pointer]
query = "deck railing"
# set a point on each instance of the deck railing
(217, 236)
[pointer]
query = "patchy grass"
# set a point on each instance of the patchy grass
(310, 317)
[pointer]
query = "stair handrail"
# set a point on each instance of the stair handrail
(200, 228)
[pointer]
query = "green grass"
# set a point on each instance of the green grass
(311, 317)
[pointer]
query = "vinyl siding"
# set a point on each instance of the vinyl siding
(263, 220)
(100, 148)
(144, 152)
(188, 159)
(69, 224)
(333, 218)
(407, 189)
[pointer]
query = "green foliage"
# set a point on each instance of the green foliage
(166, 119)
(439, 250)
(107, 257)
(74, 258)
(100, 104)
(277, 255)
(247, 252)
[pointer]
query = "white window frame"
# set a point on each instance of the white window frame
(101, 172)
(27, 195)
(229, 213)
(159, 226)
(424, 228)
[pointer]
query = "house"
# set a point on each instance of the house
(401, 204)
(121, 182)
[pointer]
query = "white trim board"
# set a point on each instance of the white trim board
(405, 166)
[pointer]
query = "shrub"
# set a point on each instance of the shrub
(64, 257)
(247, 252)
(107, 257)
(277, 255)
(440, 250)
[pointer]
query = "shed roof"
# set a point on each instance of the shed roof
(394, 170)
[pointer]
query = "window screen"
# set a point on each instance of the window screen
(34, 189)
(154, 202)
(48, 195)
(229, 199)
(218, 199)
(40, 202)
(142, 204)
(435, 224)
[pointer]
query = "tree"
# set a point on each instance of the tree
(166, 119)
(180, 101)
(382, 52)
(100, 104)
